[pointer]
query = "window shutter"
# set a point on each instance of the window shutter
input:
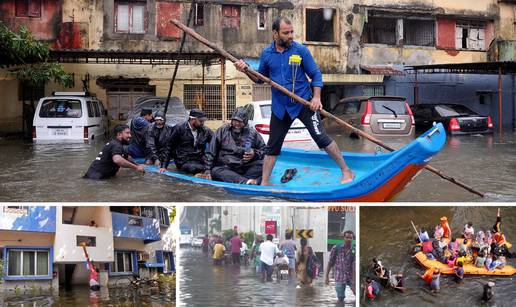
(34, 8)
(22, 8)
(122, 20)
(138, 18)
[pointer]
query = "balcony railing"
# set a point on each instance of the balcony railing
(135, 227)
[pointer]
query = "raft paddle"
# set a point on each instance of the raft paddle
(417, 233)
(256, 75)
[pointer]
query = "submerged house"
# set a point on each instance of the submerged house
(42, 246)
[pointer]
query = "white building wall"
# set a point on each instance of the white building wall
(65, 246)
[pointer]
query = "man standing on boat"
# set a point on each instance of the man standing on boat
(113, 156)
(188, 143)
(236, 152)
(289, 63)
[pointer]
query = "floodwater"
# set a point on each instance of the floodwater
(52, 172)
(82, 296)
(202, 284)
(386, 232)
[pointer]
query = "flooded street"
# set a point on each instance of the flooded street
(387, 233)
(82, 296)
(202, 284)
(52, 172)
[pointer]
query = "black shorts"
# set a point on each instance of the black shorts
(279, 129)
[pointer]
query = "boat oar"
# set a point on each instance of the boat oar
(256, 75)
(417, 233)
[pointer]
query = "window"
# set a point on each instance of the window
(168, 260)
(28, 262)
(321, 25)
(123, 262)
(130, 18)
(199, 15)
(470, 35)
(350, 107)
(390, 107)
(97, 108)
(91, 110)
(28, 8)
(86, 241)
(163, 216)
(262, 18)
(208, 99)
(230, 16)
(373, 90)
(148, 212)
(418, 32)
(62, 108)
(380, 30)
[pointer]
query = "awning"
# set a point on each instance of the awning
(386, 70)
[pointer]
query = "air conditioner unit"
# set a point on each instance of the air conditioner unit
(143, 256)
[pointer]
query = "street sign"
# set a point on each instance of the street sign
(270, 227)
(304, 233)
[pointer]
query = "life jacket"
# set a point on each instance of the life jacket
(499, 238)
(446, 230)
(428, 276)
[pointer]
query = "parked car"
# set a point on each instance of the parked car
(176, 112)
(375, 115)
(259, 115)
(456, 118)
(196, 242)
(69, 116)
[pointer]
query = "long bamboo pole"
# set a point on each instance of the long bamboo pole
(255, 74)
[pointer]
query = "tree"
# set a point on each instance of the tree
(27, 60)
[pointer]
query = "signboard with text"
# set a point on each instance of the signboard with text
(270, 227)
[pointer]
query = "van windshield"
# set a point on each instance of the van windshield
(60, 108)
(390, 107)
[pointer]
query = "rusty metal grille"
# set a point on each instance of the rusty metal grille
(261, 92)
(209, 100)
(419, 32)
(379, 30)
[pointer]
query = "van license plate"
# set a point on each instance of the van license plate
(60, 132)
(391, 125)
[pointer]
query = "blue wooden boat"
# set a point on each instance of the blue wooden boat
(379, 177)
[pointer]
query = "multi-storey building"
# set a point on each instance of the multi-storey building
(42, 246)
(122, 49)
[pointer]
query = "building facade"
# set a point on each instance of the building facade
(361, 46)
(42, 246)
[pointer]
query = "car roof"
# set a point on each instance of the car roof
(262, 102)
(363, 98)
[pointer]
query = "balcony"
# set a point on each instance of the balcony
(135, 227)
(28, 218)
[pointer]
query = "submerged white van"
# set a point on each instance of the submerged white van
(69, 116)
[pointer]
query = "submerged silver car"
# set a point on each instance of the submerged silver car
(375, 115)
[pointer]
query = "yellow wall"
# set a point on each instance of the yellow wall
(379, 54)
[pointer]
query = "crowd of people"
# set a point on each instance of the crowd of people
(484, 249)
(286, 260)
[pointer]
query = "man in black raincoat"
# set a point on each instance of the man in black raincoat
(236, 152)
(157, 141)
(188, 143)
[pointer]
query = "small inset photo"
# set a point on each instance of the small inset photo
(445, 256)
(87, 255)
(267, 256)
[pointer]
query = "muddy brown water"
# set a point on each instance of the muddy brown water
(52, 172)
(82, 296)
(202, 284)
(386, 232)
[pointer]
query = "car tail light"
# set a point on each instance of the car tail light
(262, 128)
(86, 134)
(366, 118)
(409, 110)
(454, 125)
(33, 132)
(489, 122)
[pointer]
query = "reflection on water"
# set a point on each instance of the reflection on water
(52, 172)
(202, 284)
(82, 296)
(386, 232)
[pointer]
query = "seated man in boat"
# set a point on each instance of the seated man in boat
(236, 152)
(113, 156)
(277, 61)
(137, 147)
(157, 141)
(188, 143)
(423, 235)
(371, 288)
(468, 231)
